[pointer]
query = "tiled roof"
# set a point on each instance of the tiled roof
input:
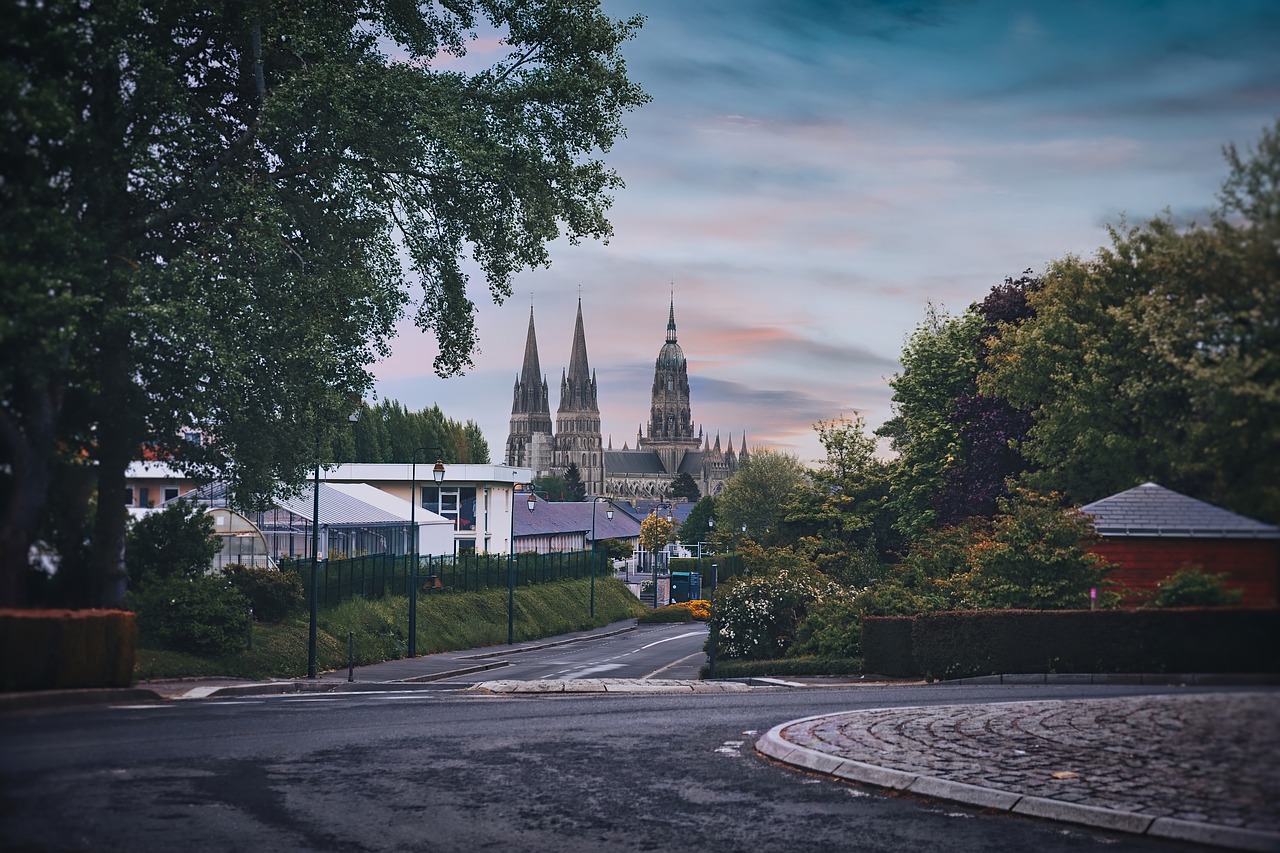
(574, 517)
(1151, 510)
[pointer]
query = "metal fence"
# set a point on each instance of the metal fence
(380, 575)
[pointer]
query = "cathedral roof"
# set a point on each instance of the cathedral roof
(531, 372)
(623, 462)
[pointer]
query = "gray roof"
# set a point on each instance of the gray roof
(338, 509)
(623, 462)
(574, 517)
(1151, 510)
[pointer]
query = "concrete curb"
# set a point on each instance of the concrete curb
(55, 699)
(606, 685)
(1163, 679)
(773, 745)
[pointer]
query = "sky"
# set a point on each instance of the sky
(811, 175)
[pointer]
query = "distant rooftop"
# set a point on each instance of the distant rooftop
(1152, 510)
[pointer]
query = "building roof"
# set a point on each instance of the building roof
(342, 506)
(1151, 510)
(619, 463)
(574, 517)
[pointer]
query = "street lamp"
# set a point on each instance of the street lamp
(511, 566)
(437, 473)
(609, 514)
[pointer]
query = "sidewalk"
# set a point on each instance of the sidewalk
(1203, 768)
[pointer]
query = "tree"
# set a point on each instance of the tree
(1159, 360)
(204, 208)
(573, 486)
(553, 486)
(684, 486)
(756, 496)
(656, 532)
(938, 365)
(177, 541)
(697, 525)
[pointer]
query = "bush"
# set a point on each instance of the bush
(684, 611)
(757, 617)
(831, 629)
(1191, 587)
(202, 615)
(178, 541)
(271, 593)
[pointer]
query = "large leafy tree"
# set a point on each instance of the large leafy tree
(390, 432)
(211, 215)
(757, 495)
(1160, 358)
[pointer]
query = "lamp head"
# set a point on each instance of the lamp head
(438, 472)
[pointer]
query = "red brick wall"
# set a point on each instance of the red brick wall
(1253, 564)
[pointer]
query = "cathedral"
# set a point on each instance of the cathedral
(670, 448)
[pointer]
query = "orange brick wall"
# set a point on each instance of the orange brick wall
(1253, 564)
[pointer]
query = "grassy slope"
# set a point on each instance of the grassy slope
(446, 622)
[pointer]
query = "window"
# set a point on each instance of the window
(144, 497)
(128, 496)
(458, 504)
(466, 546)
(170, 493)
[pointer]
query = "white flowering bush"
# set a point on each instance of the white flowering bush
(756, 617)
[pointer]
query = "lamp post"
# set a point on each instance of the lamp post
(594, 556)
(437, 473)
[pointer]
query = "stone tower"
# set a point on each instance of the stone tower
(577, 438)
(671, 433)
(529, 442)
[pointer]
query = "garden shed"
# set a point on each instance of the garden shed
(1150, 532)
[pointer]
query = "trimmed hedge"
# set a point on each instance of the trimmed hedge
(960, 644)
(63, 649)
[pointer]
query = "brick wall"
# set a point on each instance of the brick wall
(1253, 564)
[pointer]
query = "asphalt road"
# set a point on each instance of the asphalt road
(453, 770)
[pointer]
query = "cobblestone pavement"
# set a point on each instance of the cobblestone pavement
(1204, 765)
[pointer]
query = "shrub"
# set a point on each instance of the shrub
(684, 611)
(1192, 587)
(272, 594)
(832, 628)
(757, 617)
(177, 541)
(202, 615)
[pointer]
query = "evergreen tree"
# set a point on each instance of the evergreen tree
(575, 489)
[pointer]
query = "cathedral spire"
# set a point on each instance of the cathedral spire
(671, 321)
(531, 372)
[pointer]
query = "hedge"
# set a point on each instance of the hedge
(63, 649)
(960, 644)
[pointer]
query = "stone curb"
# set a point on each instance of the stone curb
(1163, 679)
(773, 745)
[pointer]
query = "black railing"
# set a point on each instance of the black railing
(380, 575)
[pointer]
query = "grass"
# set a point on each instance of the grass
(380, 629)
(785, 666)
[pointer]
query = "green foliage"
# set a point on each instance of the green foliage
(1192, 587)
(939, 363)
(273, 594)
(203, 231)
(1033, 555)
(388, 432)
(203, 615)
(757, 616)
(696, 527)
(177, 541)
(797, 666)
(445, 623)
(832, 628)
(575, 489)
(756, 496)
(553, 486)
(685, 487)
(616, 549)
(1159, 360)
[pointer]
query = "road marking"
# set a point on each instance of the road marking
(669, 639)
(731, 748)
